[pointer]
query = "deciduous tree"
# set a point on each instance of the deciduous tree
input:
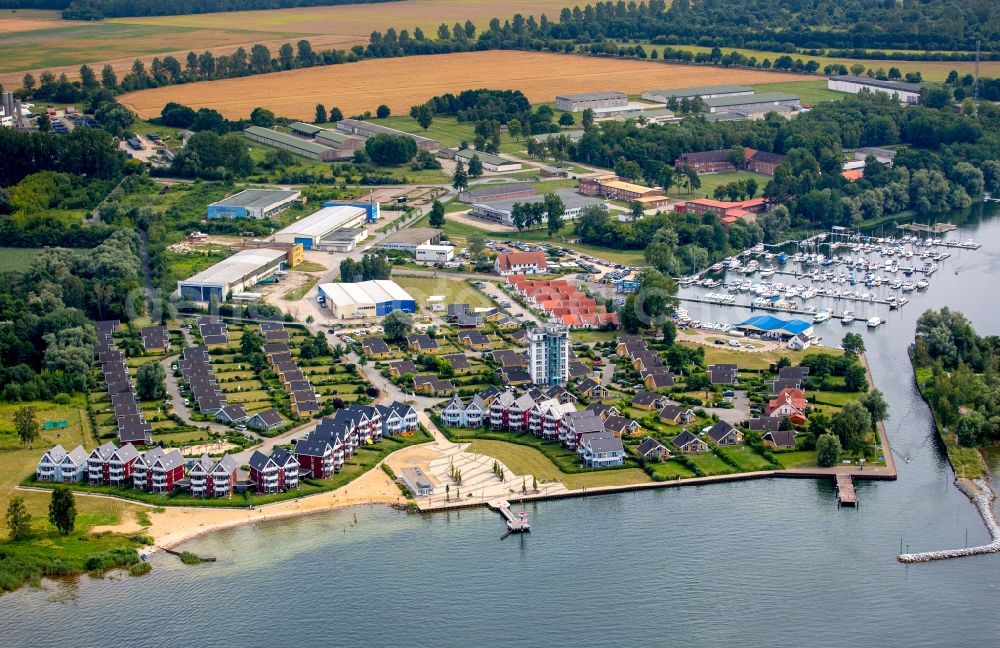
(18, 519)
(62, 510)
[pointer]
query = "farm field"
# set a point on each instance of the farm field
(931, 70)
(40, 39)
(361, 86)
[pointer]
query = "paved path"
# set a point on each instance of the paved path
(180, 409)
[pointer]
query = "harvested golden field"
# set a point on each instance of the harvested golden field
(404, 82)
(13, 21)
(39, 40)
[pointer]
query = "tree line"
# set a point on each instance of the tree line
(947, 160)
(964, 386)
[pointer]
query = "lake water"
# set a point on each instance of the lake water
(759, 563)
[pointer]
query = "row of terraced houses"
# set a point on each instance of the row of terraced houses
(321, 454)
(595, 433)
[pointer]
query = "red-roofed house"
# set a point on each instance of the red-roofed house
(789, 402)
(520, 263)
(852, 175)
(728, 212)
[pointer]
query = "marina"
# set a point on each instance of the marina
(855, 273)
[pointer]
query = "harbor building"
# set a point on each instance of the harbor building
(253, 203)
(905, 93)
(338, 228)
(235, 274)
(364, 299)
(768, 326)
(548, 354)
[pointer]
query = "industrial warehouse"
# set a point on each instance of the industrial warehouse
(337, 228)
(591, 100)
(297, 145)
(410, 239)
(907, 93)
(489, 161)
(364, 299)
(233, 275)
(253, 203)
(752, 104)
(365, 129)
(501, 211)
(707, 92)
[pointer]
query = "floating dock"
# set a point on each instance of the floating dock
(846, 495)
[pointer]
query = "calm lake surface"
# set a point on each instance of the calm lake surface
(760, 563)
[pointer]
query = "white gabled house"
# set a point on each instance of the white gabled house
(73, 467)
(47, 469)
(199, 476)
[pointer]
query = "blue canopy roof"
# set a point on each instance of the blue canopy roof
(770, 323)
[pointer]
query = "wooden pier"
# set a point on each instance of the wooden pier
(846, 495)
(515, 523)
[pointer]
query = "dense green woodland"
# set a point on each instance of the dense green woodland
(964, 388)
(46, 334)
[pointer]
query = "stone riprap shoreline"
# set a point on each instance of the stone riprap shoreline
(980, 491)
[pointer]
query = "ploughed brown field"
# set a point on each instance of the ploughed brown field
(403, 82)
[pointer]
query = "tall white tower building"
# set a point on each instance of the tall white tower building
(548, 354)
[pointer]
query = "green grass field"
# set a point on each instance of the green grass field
(709, 181)
(525, 460)
(760, 360)
(446, 130)
(455, 291)
(747, 459)
(671, 469)
(797, 458)
(457, 233)
(710, 464)
(17, 461)
(17, 259)
(810, 92)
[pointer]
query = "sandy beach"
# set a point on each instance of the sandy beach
(178, 524)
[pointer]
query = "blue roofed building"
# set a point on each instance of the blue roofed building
(774, 327)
